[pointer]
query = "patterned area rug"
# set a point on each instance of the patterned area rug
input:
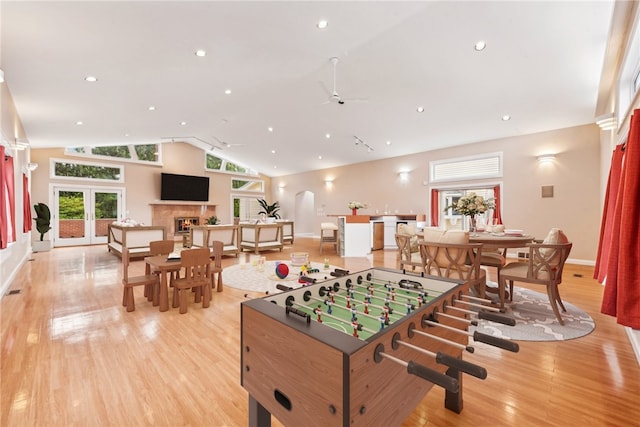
(249, 277)
(535, 320)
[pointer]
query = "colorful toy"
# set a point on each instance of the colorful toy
(282, 270)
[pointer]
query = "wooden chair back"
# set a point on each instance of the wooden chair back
(161, 247)
(460, 261)
(407, 256)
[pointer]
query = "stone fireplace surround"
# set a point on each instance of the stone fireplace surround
(164, 213)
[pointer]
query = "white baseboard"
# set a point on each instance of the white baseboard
(634, 338)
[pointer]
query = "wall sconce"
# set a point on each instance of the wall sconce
(1, 76)
(281, 185)
(607, 121)
(328, 182)
(546, 158)
(31, 166)
(404, 176)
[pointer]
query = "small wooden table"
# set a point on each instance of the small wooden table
(165, 266)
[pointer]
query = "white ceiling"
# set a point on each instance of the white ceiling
(542, 67)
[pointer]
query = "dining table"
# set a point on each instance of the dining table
(165, 266)
(500, 240)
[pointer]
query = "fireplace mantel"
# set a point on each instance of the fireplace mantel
(180, 203)
(163, 213)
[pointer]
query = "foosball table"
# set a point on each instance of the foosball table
(359, 349)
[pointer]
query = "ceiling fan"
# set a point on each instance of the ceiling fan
(334, 97)
(226, 144)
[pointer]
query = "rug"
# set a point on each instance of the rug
(535, 320)
(249, 277)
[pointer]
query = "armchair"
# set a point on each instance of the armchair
(406, 254)
(459, 261)
(544, 267)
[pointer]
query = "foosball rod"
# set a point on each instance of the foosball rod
(423, 290)
(448, 383)
(477, 336)
(345, 309)
(485, 307)
(485, 315)
(443, 358)
(360, 327)
(467, 348)
(379, 298)
(391, 313)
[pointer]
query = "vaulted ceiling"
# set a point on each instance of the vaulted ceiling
(541, 67)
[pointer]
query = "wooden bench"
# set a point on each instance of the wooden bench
(260, 237)
(135, 239)
(202, 236)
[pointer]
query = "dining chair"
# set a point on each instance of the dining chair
(459, 261)
(329, 234)
(159, 247)
(197, 277)
(544, 267)
(217, 249)
(408, 254)
(151, 281)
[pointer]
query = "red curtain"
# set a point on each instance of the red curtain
(497, 201)
(606, 226)
(26, 205)
(622, 286)
(10, 197)
(3, 201)
(435, 212)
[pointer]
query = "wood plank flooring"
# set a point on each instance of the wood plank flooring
(72, 356)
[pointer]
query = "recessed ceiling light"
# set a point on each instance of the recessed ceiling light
(388, 142)
(152, 108)
(227, 92)
(327, 135)
(91, 79)
(183, 123)
(201, 52)
(480, 45)
(420, 109)
(126, 134)
(273, 151)
(319, 157)
(270, 129)
(506, 117)
(322, 24)
(275, 167)
(79, 123)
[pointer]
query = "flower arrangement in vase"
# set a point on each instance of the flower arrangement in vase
(471, 205)
(354, 206)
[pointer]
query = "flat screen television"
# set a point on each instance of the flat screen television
(184, 187)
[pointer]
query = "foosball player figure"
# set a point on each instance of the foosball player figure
(318, 312)
(409, 305)
(386, 314)
(354, 323)
(348, 298)
(352, 293)
(393, 294)
(329, 305)
(332, 295)
(366, 305)
(382, 319)
(370, 288)
(419, 300)
(387, 299)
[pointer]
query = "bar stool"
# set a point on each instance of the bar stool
(329, 234)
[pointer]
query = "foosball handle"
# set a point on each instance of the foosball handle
(283, 287)
(461, 365)
(448, 383)
(497, 342)
(495, 317)
(338, 272)
(300, 313)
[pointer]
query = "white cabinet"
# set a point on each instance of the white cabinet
(354, 234)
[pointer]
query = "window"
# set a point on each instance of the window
(143, 153)
(239, 184)
(245, 207)
(219, 164)
(466, 168)
(453, 220)
(63, 169)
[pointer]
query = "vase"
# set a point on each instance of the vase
(472, 223)
(354, 211)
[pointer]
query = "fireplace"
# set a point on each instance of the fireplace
(183, 224)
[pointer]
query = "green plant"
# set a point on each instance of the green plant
(271, 210)
(213, 220)
(43, 220)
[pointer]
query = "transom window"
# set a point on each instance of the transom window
(64, 169)
(465, 168)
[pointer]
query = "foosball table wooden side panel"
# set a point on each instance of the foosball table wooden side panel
(385, 393)
(280, 362)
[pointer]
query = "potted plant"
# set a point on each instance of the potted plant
(213, 220)
(270, 210)
(43, 225)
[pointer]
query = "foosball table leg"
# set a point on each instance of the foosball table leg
(258, 415)
(453, 401)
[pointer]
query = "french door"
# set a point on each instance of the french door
(81, 215)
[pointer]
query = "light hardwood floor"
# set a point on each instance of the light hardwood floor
(72, 356)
